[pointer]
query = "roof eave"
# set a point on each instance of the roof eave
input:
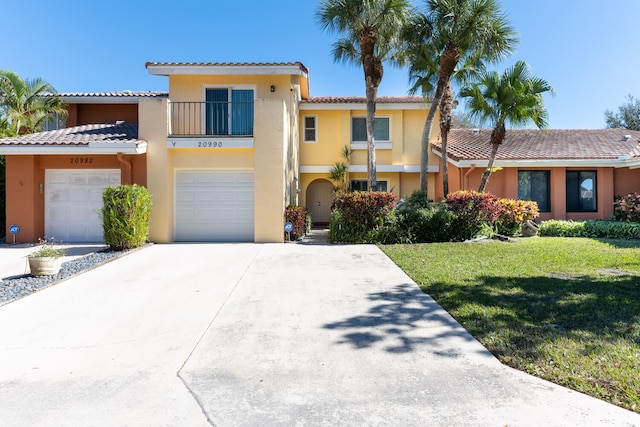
(133, 148)
(204, 69)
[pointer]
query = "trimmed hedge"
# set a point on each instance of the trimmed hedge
(474, 212)
(592, 228)
(125, 216)
(359, 216)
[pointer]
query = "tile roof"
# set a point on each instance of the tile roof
(362, 100)
(117, 94)
(549, 144)
(228, 64)
(78, 136)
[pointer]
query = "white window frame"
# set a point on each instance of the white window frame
(380, 144)
(305, 128)
(229, 87)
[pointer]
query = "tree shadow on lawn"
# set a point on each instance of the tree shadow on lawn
(527, 312)
(402, 320)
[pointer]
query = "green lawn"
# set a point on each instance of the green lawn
(563, 309)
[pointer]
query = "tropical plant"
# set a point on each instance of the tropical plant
(339, 172)
(26, 105)
(514, 97)
(369, 36)
(450, 30)
(627, 208)
(627, 117)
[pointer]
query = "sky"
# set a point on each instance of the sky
(588, 50)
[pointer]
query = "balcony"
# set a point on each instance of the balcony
(211, 124)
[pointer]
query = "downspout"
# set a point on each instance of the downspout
(466, 176)
(126, 177)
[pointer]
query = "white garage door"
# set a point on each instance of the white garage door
(214, 206)
(73, 199)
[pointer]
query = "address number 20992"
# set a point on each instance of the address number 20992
(209, 144)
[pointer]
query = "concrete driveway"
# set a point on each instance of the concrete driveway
(260, 335)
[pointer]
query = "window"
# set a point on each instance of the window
(55, 122)
(363, 185)
(229, 111)
(581, 191)
(310, 129)
(534, 185)
(381, 129)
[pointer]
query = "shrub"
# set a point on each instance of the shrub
(357, 216)
(513, 214)
(627, 208)
(426, 225)
(418, 199)
(560, 228)
(298, 216)
(473, 211)
(125, 216)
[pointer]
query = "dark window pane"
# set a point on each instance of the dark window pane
(581, 191)
(535, 186)
(359, 129)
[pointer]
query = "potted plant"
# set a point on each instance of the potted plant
(47, 259)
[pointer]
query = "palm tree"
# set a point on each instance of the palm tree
(515, 97)
(26, 104)
(369, 36)
(455, 29)
(424, 73)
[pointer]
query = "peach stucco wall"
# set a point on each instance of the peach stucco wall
(504, 183)
(26, 179)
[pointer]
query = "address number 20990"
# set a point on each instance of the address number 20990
(209, 144)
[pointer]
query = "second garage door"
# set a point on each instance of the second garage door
(214, 206)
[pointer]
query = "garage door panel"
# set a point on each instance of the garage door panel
(73, 199)
(214, 206)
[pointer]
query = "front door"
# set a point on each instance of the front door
(319, 199)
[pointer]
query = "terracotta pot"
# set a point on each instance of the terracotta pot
(45, 266)
(530, 229)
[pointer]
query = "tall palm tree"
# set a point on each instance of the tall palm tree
(26, 104)
(369, 36)
(514, 97)
(456, 29)
(424, 74)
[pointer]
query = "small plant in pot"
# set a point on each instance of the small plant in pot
(47, 259)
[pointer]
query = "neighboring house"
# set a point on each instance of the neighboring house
(55, 179)
(330, 123)
(572, 174)
(232, 144)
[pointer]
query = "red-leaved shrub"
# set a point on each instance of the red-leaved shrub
(297, 216)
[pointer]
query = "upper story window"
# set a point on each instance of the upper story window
(229, 111)
(381, 129)
(535, 186)
(54, 122)
(581, 191)
(310, 129)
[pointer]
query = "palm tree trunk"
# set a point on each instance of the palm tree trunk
(446, 107)
(371, 142)
(497, 136)
(373, 72)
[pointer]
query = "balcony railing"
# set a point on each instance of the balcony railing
(211, 119)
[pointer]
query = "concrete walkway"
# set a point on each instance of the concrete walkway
(247, 335)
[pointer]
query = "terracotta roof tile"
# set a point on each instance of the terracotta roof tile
(78, 135)
(362, 100)
(550, 144)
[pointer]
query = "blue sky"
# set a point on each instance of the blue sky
(587, 49)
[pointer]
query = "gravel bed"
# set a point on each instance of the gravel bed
(15, 287)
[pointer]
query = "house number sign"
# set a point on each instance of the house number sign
(210, 143)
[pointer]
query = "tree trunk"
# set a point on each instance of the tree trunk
(448, 61)
(497, 136)
(446, 108)
(373, 72)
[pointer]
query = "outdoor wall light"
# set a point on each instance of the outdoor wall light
(272, 88)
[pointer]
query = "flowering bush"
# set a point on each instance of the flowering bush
(300, 218)
(627, 208)
(474, 211)
(514, 213)
(356, 216)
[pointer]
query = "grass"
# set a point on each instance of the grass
(563, 309)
